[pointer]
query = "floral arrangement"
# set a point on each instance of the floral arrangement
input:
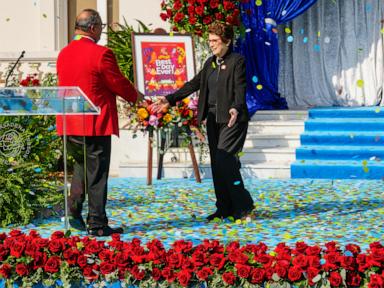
(143, 118)
(194, 16)
(30, 80)
(64, 260)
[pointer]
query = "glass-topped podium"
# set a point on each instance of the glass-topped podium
(38, 101)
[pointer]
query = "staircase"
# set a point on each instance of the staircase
(273, 136)
(341, 143)
(268, 150)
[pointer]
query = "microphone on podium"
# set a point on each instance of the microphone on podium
(13, 67)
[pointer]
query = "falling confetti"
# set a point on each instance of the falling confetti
(259, 2)
(287, 30)
(255, 79)
(259, 87)
(360, 83)
(237, 183)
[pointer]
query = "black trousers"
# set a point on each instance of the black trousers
(224, 145)
(95, 152)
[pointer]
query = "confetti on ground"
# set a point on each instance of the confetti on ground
(291, 210)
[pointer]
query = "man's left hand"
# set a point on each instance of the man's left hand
(233, 112)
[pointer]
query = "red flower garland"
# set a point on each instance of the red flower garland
(23, 257)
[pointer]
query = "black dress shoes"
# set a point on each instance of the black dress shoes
(243, 214)
(105, 231)
(77, 223)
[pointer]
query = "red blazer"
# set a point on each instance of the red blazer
(94, 69)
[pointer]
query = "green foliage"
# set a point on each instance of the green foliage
(120, 41)
(29, 160)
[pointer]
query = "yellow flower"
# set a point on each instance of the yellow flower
(167, 118)
(142, 113)
(186, 100)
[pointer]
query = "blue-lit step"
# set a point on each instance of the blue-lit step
(328, 169)
(351, 112)
(345, 124)
(325, 152)
(373, 138)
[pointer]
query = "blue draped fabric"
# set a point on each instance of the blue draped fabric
(260, 47)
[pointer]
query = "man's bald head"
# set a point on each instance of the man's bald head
(86, 19)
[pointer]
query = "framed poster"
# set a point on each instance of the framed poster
(162, 63)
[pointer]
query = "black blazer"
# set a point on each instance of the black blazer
(231, 87)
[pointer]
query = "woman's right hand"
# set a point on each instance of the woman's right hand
(161, 105)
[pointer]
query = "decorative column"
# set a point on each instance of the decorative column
(102, 8)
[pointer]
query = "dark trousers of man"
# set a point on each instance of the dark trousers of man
(96, 162)
(224, 145)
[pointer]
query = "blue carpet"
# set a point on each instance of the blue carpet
(315, 211)
(341, 143)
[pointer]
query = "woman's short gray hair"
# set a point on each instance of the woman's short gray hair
(91, 18)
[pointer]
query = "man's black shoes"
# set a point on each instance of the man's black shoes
(216, 215)
(105, 231)
(77, 223)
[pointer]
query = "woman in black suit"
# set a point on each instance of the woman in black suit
(222, 84)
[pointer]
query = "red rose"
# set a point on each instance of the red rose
(22, 269)
(243, 271)
(314, 261)
(89, 273)
(199, 10)
(228, 5)
(177, 5)
(207, 20)
(257, 276)
(31, 249)
(39, 260)
(347, 262)
(301, 261)
(191, 10)
(376, 281)
(82, 261)
(17, 249)
(265, 259)
(93, 247)
(353, 280)
(229, 278)
(164, 16)
(204, 273)
(375, 245)
(122, 259)
(175, 260)
(192, 20)
(3, 236)
(184, 276)
(3, 253)
(294, 273)
(331, 246)
(137, 273)
(156, 274)
(55, 246)
(70, 255)
(178, 17)
(53, 264)
(377, 254)
(238, 257)
(217, 260)
(313, 250)
(40, 242)
(312, 272)
(57, 235)
(182, 246)
(16, 233)
(107, 268)
(355, 249)
(219, 16)
(281, 271)
(5, 270)
(335, 279)
(34, 233)
(214, 4)
(301, 247)
(168, 274)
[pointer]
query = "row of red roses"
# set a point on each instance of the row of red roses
(185, 264)
(199, 13)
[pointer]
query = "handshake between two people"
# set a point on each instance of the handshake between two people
(162, 105)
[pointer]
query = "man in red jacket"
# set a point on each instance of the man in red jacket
(94, 69)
